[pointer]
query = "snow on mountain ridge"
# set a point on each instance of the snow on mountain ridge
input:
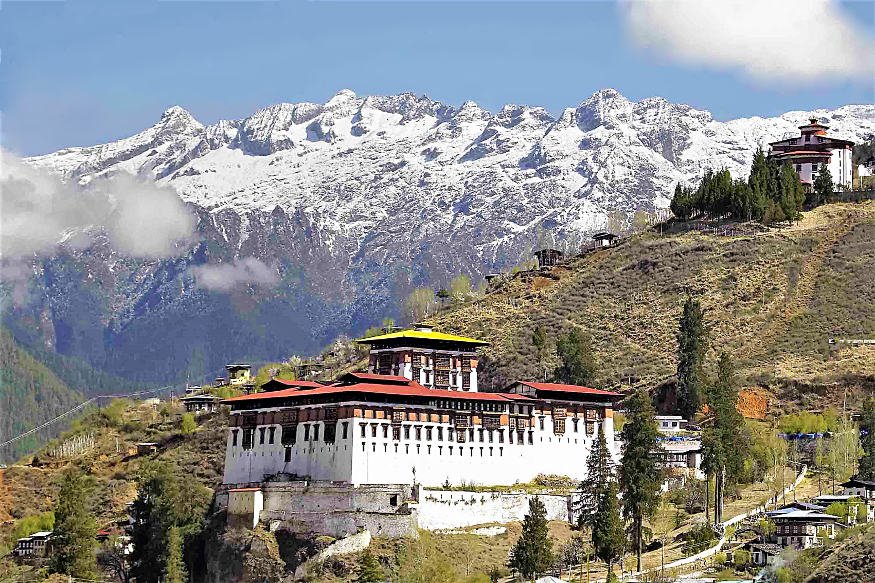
(366, 162)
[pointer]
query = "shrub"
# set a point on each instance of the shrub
(740, 557)
(189, 424)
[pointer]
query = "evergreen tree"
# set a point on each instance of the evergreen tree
(866, 470)
(599, 472)
(369, 570)
(723, 445)
(167, 514)
(758, 181)
(174, 569)
(75, 531)
(823, 187)
(640, 475)
(532, 554)
(578, 361)
(682, 202)
(608, 530)
(742, 201)
(791, 195)
(692, 344)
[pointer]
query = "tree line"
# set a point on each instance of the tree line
(771, 194)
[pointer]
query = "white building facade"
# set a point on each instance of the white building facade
(813, 150)
(377, 429)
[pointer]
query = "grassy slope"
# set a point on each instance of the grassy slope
(200, 456)
(773, 300)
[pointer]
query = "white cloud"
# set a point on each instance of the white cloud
(37, 211)
(786, 41)
(226, 276)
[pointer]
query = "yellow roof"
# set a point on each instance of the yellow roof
(422, 335)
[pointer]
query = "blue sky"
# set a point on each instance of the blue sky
(81, 72)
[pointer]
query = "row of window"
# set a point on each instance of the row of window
(311, 433)
(440, 449)
(814, 167)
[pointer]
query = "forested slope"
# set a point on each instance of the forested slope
(773, 300)
(31, 394)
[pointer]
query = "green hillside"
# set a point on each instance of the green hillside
(31, 394)
(773, 300)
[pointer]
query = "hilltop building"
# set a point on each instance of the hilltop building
(813, 150)
(431, 359)
(549, 257)
(238, 374)
(199, 403)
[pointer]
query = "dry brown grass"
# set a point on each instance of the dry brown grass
(772, 300)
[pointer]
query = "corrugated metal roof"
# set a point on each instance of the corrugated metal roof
(562, 388)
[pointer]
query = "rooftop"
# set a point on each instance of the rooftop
(561, 388)
(422, 335)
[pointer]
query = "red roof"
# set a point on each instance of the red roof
(410, 389)
(562, 388)
(805, 152)
(367, 376)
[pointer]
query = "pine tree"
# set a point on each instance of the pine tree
(608, 530)
(866, 470)
(692, 344)
(369, 569)
(791, 195)
(578, 361)
(599, 472)
(75, 531)
(682, 202)
(823, 186)
(174, 569)
(759, 184)
(164, 505)
(533, 552)
(640, 475)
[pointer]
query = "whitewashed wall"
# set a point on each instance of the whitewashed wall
(382, 460)
(444, 509)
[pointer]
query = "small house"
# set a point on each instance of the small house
(35, 545)
(865, 489)
(200, 403)
(801, 529)
(604, 239)
(192, 389)
(670, 423)
(549, 257)
(238, 374)
(763, 554)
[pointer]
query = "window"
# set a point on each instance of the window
(490, 436)
(819, 139)
(531, 438)
(288, 454)
(345, 427)
(574, 421)
(798, 167)
(373, 430)
(234, 438)
(793, 141)
(270, 433)
(428, 433)
(510, 436)
(406, 432)
(807, 137)
(813, 167)
(559, 426)
(500, 436)
(290, 434)
(541, 423)
(520, 437)
(315, 433)
(440, 433)
(466, 381)
(471, 434)
(363, 429)
(418, 433)
(330, 432)
(481, 435)
(306, 433)
(261, 436)
(248, 435)
(396, 434)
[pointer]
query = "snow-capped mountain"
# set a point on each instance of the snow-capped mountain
(358, 200)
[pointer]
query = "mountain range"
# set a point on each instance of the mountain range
(353, 203)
